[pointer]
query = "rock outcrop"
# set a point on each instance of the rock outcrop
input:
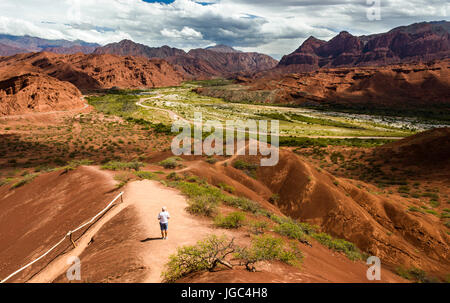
(417, 42)
(92, 71)
(37, 93)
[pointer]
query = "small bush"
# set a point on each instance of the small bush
(232, 220)
(243, 204)
(225, 187)
(336, 156)
(348, 248)
(291, 230)
(193, 190)
(258, 227)
(415, 209)
(123, 179)
(174, 176)
(170, 163)
(116, 165)
(276, 219)
(195, 179)
(26, 180)
(145, 175)
(266, 248)
(74, 164)
(211, 160)
(435, 203)
(205, 255)
(203, 205)
(445, 215)
(414, 274)
(5, 181)
(433, 212)
(248, 168)
(404, 189)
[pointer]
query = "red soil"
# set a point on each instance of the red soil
(377, 225)
(36, 216)
(37, 93)
(426, 151)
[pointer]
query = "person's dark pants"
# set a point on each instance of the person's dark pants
(164, 226)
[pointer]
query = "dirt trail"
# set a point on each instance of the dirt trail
(148, 197)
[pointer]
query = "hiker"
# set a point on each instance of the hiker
(163, 218)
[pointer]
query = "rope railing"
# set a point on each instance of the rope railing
(69, 234)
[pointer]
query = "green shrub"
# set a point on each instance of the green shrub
(445, 215)
(26, 180)
(232, 220)
(414, 274)
(205, 255)
(225, 187)
(291, 230)
(162, 128)
(336, 156)
(5, 181)
(116, 165)
(170, 163)
(258, 227)
(145, 175)
(266, 248)
(348, 248)
(203, 206)
(211, 160)
(415, 209)
(174, 176)
(277, 219)
(242, 165)
(123, 179)
(74, 164)
(248, 168)
(434, 203)
(243, 204)
(433, 212)
(193, 190)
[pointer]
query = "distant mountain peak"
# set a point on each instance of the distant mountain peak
(418, 41)
(222, 48)
(128, 47)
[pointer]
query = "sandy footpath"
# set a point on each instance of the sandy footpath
(148, 197)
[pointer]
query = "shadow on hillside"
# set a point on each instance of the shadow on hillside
(151, 239)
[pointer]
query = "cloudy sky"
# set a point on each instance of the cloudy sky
(274, 27)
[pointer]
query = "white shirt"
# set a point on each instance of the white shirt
(164, 217)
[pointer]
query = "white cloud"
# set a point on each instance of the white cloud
(274, 27)
(186, 33)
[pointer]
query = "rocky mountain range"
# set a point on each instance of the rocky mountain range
(90, 72)
(417, 42)
(213, 61)
(11, 45)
